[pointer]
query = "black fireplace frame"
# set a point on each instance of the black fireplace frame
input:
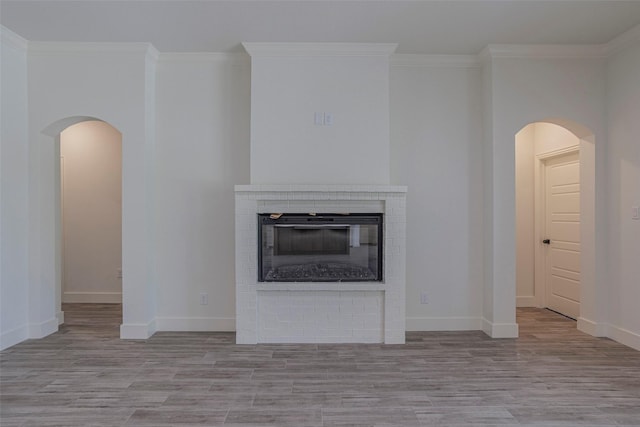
(324, 218)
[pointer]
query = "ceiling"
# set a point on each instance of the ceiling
(419, 26)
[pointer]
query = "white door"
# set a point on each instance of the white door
(562, 234)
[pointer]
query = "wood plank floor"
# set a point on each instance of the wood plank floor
(84, 375)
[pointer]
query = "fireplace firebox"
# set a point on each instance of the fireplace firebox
(320, 247)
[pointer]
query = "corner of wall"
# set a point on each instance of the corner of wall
(500, 330)
(8, 37)
(137, 331)
(13, 337)
(41, 330)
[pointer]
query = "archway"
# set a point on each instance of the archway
(535, 143)
(62, 130)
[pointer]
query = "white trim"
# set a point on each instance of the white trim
(592, 328)
(330, 188)
(41, 330)
(559, 152)
(81, 48)
(544, 51)
(500, 330)
(60, 317)
(616, 333)
(444, 61)
(234, 58)
(92, 297)
(12, 39)
(13, 337)
(152, 54)
(219, 324)
(526, 301)
(624, 336)
(319, 49)
(137, 331)
(623, 41)
(539, 268)
(444, 323)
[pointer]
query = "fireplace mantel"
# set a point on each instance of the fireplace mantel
(320, 312)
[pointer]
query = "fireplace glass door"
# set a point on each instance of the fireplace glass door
(320, 248)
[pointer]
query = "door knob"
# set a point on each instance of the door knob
(546, 241)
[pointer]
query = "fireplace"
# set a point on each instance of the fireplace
(342, 309)
(320, 247)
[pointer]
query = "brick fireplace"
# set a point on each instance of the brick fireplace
(320, 312)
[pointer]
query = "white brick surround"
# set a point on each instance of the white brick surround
(315, 312)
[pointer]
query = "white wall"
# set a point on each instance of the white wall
(14, 204)
(202, 152)
(108, 82)
(91, 153)
(287, 89)
(525, 217)
(623, 190)
(533, 140)
(436, 145)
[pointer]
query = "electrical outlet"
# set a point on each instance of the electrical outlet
(204, 299)
(424, 299)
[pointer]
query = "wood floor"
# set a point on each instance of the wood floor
(552, 375)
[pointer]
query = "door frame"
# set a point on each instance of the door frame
(540, 288)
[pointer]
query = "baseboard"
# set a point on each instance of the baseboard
(500, 330)
(137, 331)
(218, 324)
(60, 317)
(13, 337)
(526, 302)
(443, 323)
(592, 328)
(92, 297)
(624, 336)
(41, 330)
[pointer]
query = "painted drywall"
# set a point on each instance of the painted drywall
(202, 152)
(91, 174)
(109, 82)
(623, 191)
(525, 217)
(485, 207)
(14, 203)
(533, 140)
(286, 93)
(435, 123)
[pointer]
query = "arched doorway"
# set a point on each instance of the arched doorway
(91, 222)
(540, 147)
(88, 212)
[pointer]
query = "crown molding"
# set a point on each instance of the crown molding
(448, 61)
(234, 58)
(152, 54)
(537, 51)
(319, 49)
(624, 40)
(12, 39)
(71, 48)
